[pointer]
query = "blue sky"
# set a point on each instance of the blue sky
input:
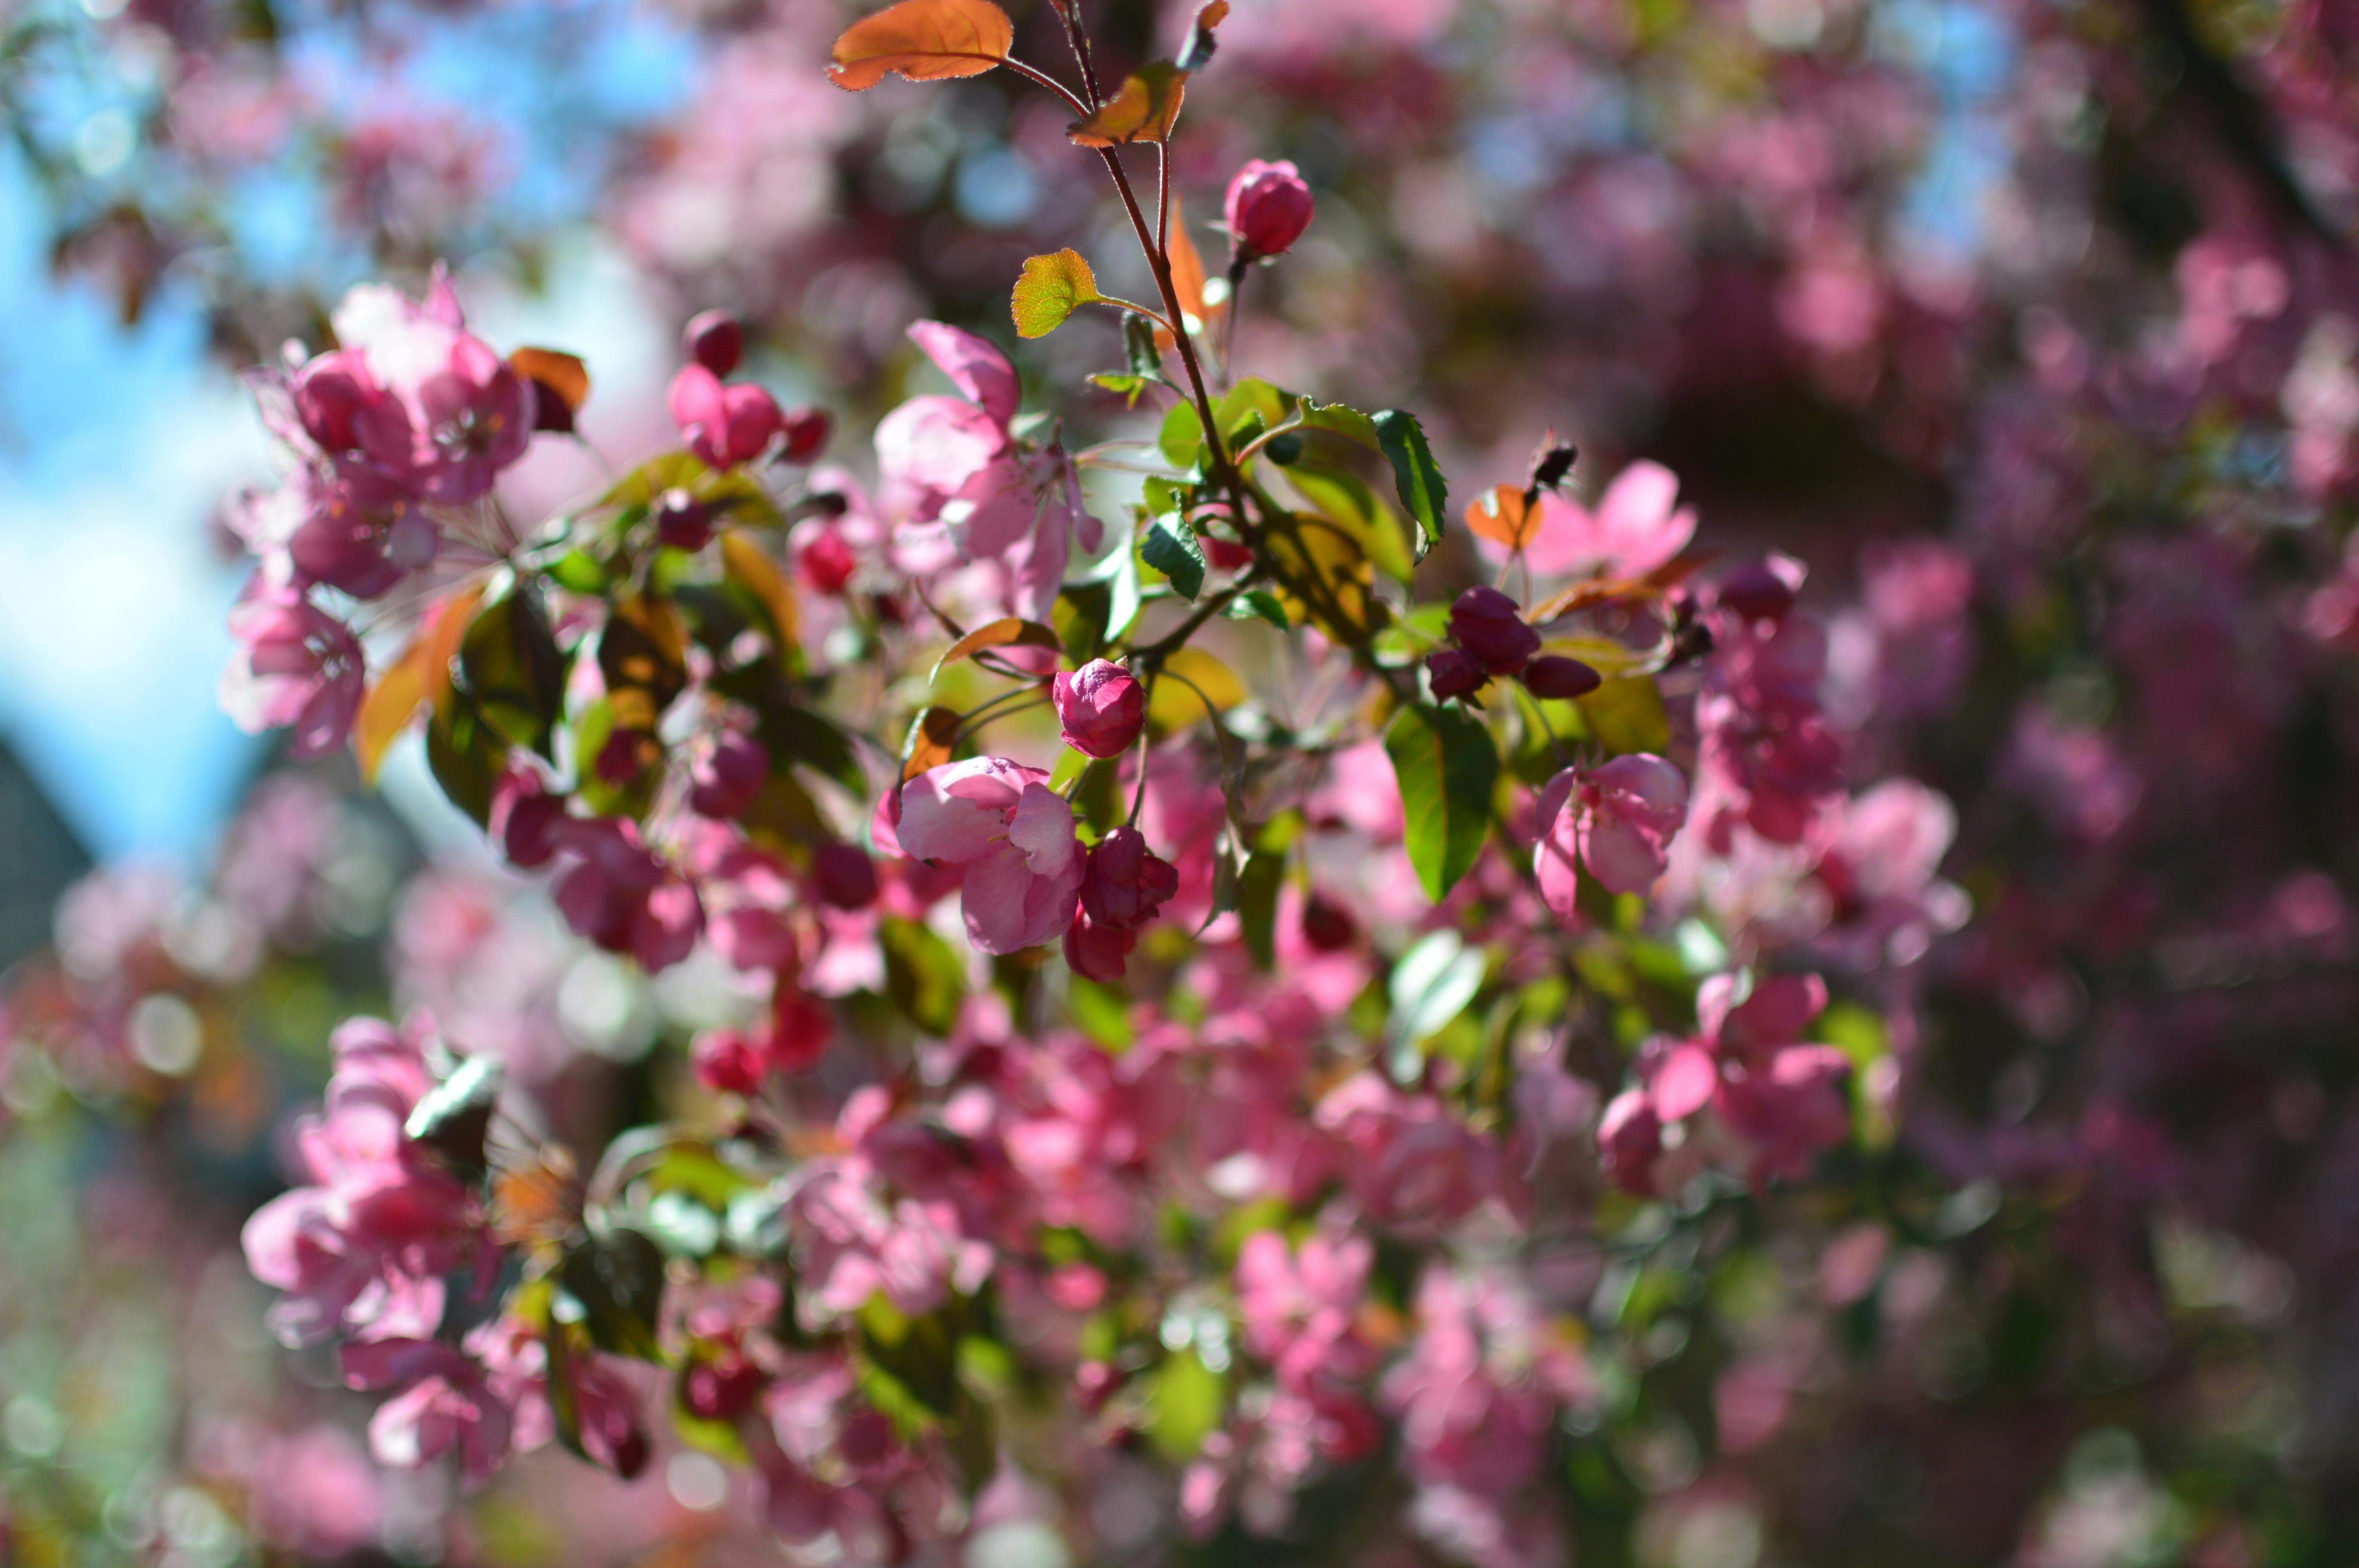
(117, 443)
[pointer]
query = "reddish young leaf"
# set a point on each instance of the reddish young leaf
(924, 41)
(1007, 631)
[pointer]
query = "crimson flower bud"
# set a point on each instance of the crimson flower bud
(620, 759)
(1226, 554)
(1267, 207)
(1099, 707)
(844, 877)
(1554, 675)
(800, 1027)
(1629, 1137)
(727, 1062)
(1327, 925)
(1125, 881)
(1455, 673)
(715, 340)
(683, 521)
(1097, 952)
(1486, 624)
(1755, 593)
(723, 1389)
(807, 432)
(826, 562)
(725, 780)
(523, 816)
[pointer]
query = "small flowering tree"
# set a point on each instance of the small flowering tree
(1289, 976)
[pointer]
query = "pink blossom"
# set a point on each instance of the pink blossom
(1481, 1387)
(1014, 835)
(723, 425)
(365, 1247)
(724, 779)
(418, 396)
(620, 896)
(446, 1401)
(295, 665)
(1100, 708)
(1125, 881)
(1637, 527)
(1300, 1307)
(942, 459)
(1619, 818)
(1768, 757)
(857, 1245)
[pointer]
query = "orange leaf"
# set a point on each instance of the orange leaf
(1187, 273)
(925, 41)
(744, 561)
(1501, 515)
(1142, 109)
(565, 377)
(418, 679)
(932, 740)
(1008, 631)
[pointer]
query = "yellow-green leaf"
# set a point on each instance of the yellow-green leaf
(1142, 109)
(1187, 673)
(1052, 289)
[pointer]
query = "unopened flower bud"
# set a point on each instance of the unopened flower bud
(683, 521)
(843, 877)
(1098, 952)
(1629, 1137)
(1327, 925)
(715, 340)
(826, 561)
(800, 1027)
(725, 780)
(1455, 673)
(1267, 207)
(727, 1062)
(1125, 881)
(1554, 676)
(806, 430)
(1486, 624)
(1099, 707)
(1756, 592)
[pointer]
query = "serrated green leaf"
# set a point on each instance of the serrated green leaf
(1052, 288)
(1446, 767)
(1415, 475)
(1258, 604)
(1171, 547)
(1343, 421)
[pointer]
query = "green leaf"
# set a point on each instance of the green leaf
(1627, 714)
(1257, 604)
(579, 571)
(1182, 437)
(1053, 288)
(1251, 399)
(922, 975)
(1360, 512)
(1432, 985)
(1144, 360)
(1184, 1406)
(511, 667)
(466, 756)
(1257, 889)
(618, 1278)
(453, 1116)
(1171, 547)
(1342, 421)
(1446, 767)
(794, 734)
(1415, 473)
(1130, 386)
